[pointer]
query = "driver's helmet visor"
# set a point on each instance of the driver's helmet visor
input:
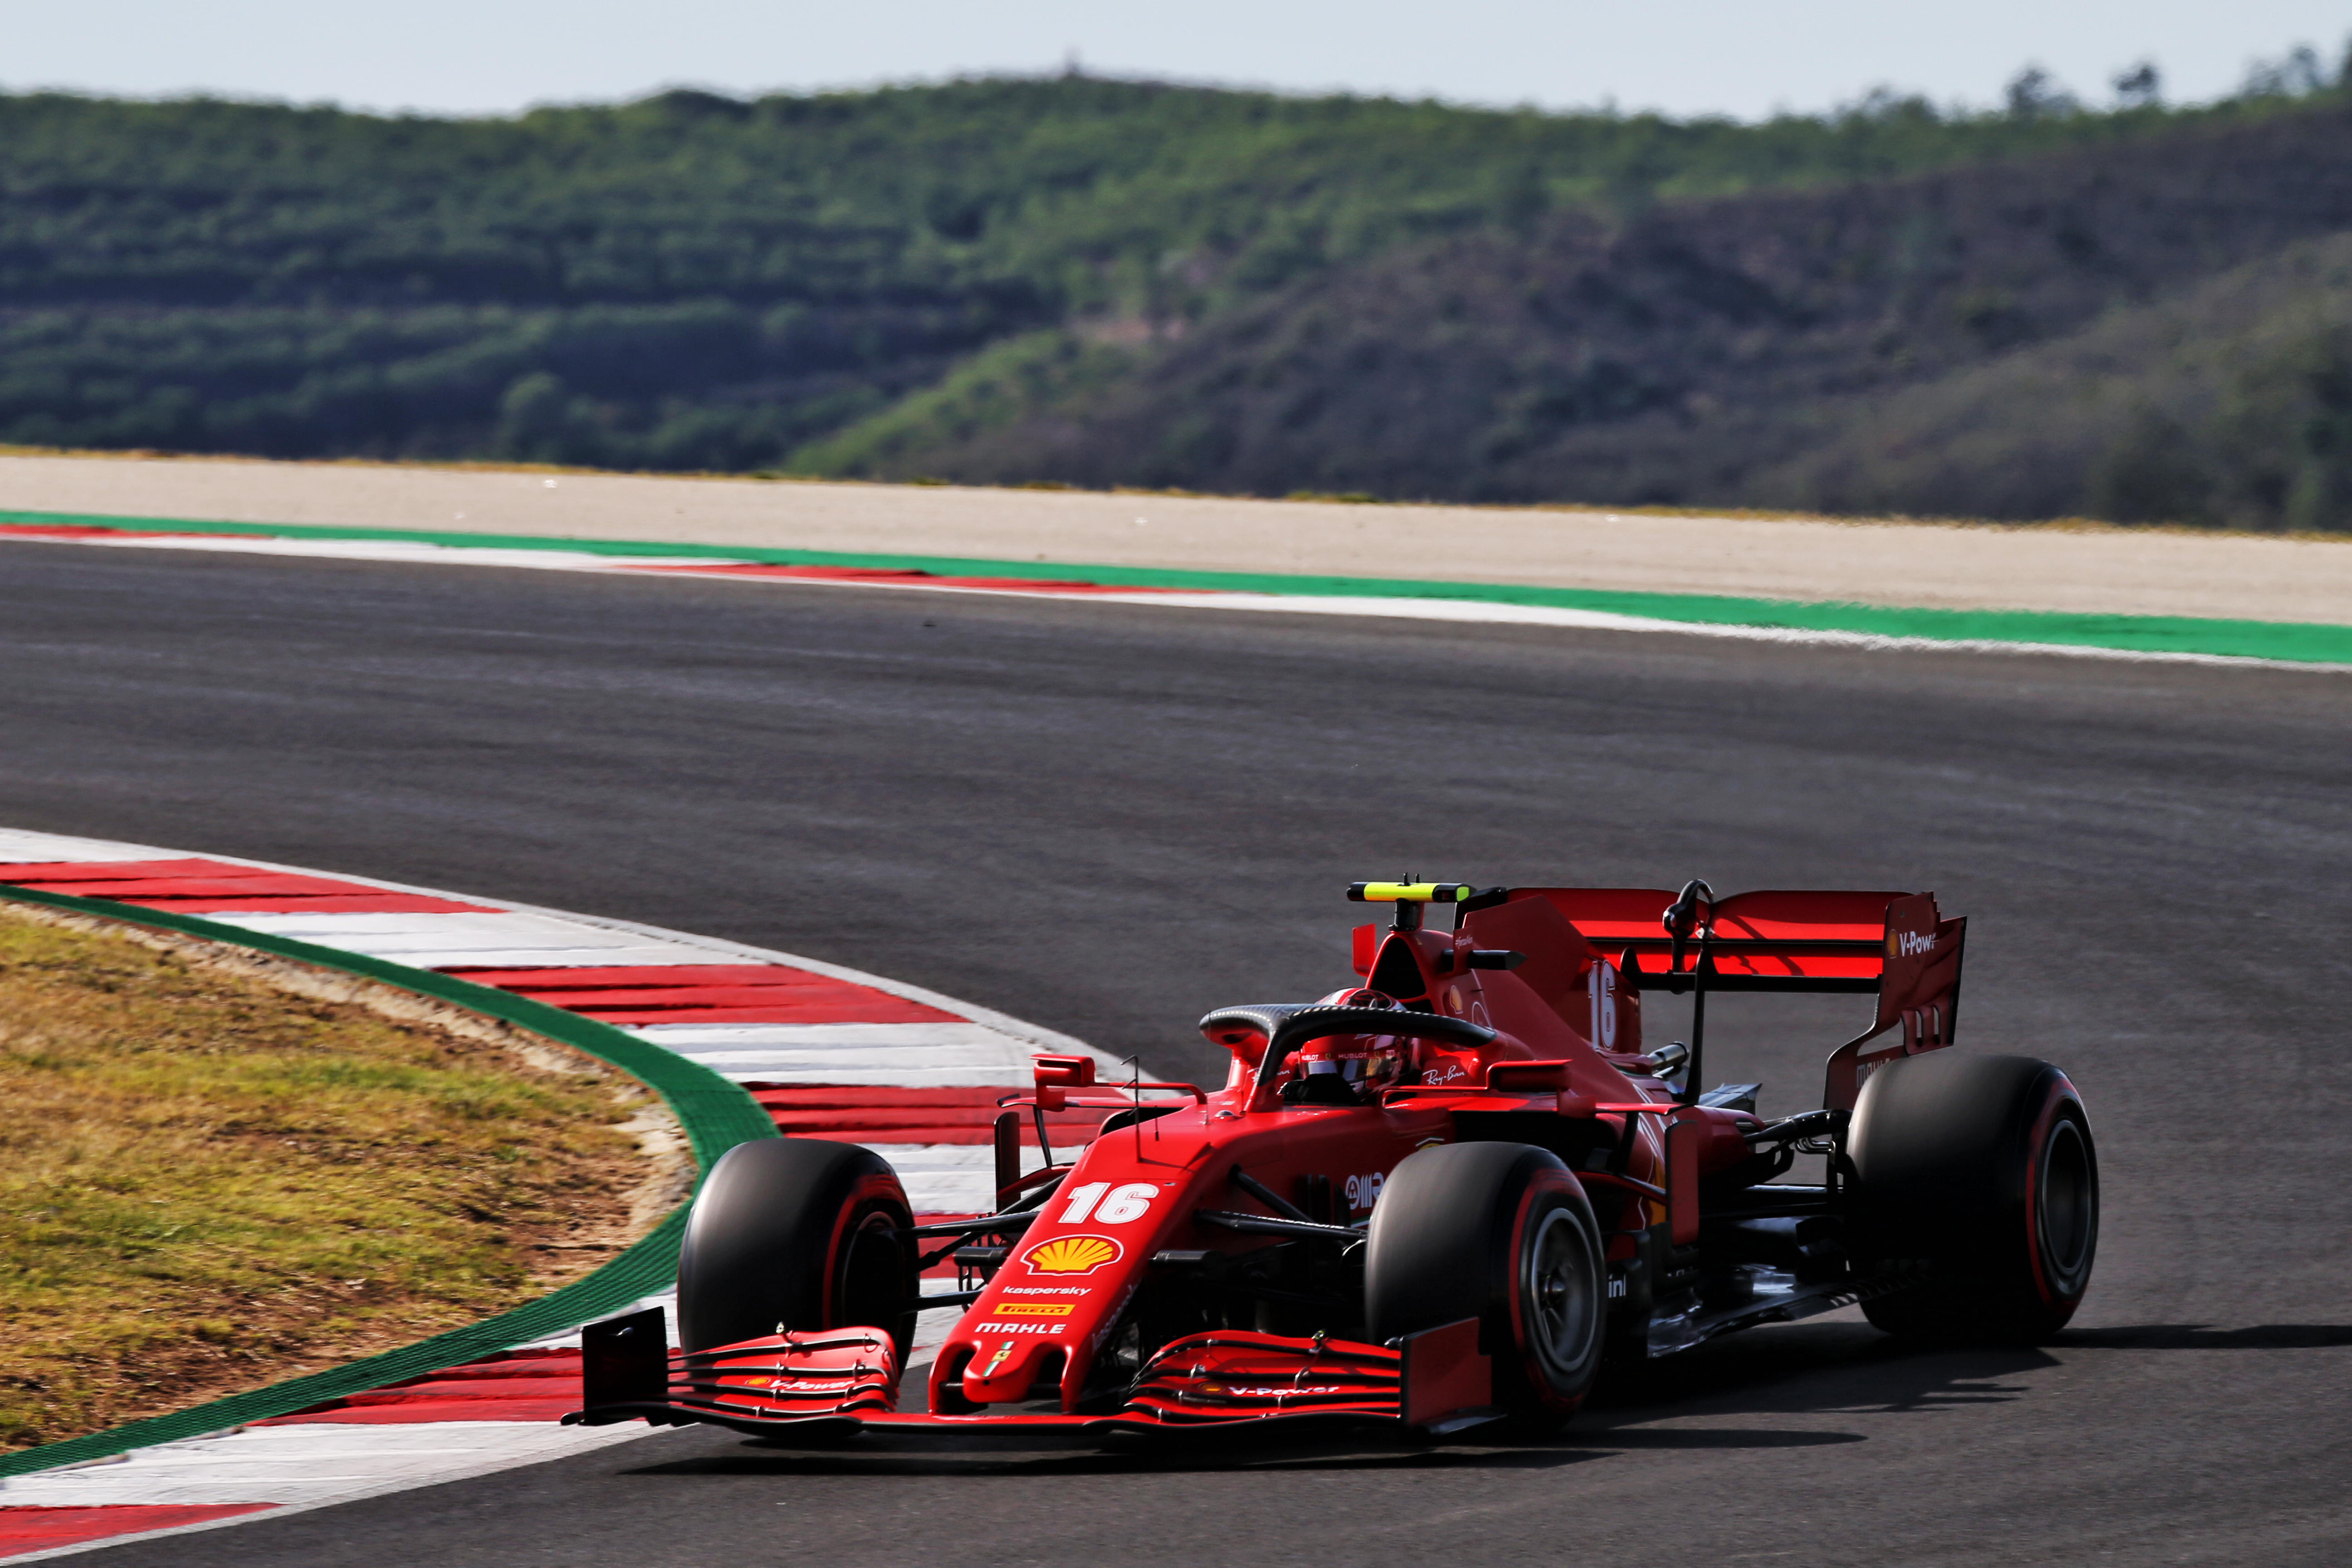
(1358, 1059)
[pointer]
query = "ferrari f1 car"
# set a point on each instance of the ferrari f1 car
(1441, 1196)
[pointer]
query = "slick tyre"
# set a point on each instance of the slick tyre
(1502, 1233)
(797, 1232)
(1980, 1171)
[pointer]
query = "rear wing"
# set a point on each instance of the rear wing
(1894, 945)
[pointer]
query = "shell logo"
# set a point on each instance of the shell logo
(1072, 1255)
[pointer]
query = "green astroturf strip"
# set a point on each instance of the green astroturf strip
(715, 1114)
(2290, 641)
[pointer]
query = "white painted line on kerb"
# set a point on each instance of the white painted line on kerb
(21, 846)
(36, 847)
(910, 1056)
(457, 1462)
(477, 941)
(950, 1178)
(305, 1463)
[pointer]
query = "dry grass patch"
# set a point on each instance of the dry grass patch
(207, 1184)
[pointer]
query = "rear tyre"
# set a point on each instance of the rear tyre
(1982, 1171)
(1502, 1233)
(798, 1233)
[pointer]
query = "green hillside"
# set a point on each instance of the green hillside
(2148, 332)
(1117, 282)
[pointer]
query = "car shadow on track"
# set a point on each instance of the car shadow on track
(2198, 1337)
(905, 1454)
(1690, 1402)
(1816, 1368)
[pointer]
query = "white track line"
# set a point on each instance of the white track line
(1471, 610)
(1380, 607)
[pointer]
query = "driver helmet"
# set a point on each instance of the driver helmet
(1361, 1061)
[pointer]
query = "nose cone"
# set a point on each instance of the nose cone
(1003, 1371)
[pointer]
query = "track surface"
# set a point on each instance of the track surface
(1108, 819)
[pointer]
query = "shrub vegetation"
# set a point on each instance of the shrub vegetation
(1091, 281)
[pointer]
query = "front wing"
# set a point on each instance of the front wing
(838, 1381)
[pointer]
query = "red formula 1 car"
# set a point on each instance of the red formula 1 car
(1443, 1197)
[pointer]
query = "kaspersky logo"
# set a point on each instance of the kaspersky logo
(1909, 944)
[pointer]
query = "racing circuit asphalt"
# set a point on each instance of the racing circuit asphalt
(1109, 818)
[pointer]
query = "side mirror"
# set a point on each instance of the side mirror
(1528, 1078)
(1064, 1072)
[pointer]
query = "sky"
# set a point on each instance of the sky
(1684, 58)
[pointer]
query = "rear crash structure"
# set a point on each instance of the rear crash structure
(1439, 1198)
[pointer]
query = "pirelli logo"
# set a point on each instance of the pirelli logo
(1034, 1308)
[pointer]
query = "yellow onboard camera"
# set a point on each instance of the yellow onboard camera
(1408, 896)
(1408, 892)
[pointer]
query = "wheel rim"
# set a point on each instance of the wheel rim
(2068, 1206)
(868, 1288)
(1562, 1308)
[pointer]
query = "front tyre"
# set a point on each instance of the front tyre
(1502, 1233)
(797, 1232)
(1981, 1170)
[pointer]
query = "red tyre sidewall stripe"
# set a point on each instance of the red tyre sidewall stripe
(1545, 1181)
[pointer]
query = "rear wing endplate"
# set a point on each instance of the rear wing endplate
(1894, 945)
